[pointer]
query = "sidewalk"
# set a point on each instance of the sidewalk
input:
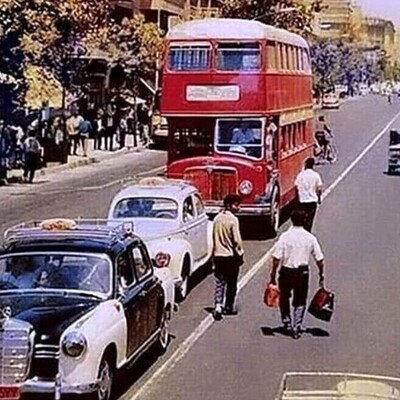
(94, 156)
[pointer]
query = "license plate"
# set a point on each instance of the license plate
(9, 393)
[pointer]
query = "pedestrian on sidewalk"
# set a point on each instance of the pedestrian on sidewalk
(32, 156)
(85, 127)
(122, 130)
(73, 123)
(228, 256)
(5, 148)
(110, 125)
(309, 191)
(292, 254)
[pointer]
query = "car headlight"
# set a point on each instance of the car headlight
(245, 187)
(162, 260)
(74, 344)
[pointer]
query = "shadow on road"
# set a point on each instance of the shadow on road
(315, 332)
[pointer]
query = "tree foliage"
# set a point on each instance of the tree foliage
(51, 34)
(294, 15)
(341, 63)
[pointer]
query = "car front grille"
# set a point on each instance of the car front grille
(45, 361)
(16, 344)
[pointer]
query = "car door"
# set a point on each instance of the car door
(202, 225)
(132, 301)
(190, 226)
(151, 290)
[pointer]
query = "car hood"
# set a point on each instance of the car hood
(50, 315)
(154, 228)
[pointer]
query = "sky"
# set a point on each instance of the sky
(389, 9)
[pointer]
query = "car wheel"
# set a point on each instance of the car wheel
(391, 170)
(105, 379)
(163, 338)
(184, 288)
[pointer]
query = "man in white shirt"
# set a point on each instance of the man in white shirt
(292, 253)
(309, 191)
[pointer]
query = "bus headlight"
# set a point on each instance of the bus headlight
(245, 187)
(74, 344)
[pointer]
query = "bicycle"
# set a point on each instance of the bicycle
(331, 154)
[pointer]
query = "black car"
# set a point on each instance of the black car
(78, 301)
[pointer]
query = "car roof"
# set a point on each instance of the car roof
(166, 188)
(84, 237)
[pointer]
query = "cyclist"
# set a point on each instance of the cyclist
(323, 134)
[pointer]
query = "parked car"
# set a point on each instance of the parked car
(170, 216)
(331, 100)
(160, 134)
(78, 302)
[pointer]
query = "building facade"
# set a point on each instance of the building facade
(335, 19)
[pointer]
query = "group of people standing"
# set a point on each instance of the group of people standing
(18, 149)
(291, 254)
(106, 126)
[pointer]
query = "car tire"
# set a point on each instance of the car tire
(163, 338)
(184, 288)
(391, 170)
(105, 377)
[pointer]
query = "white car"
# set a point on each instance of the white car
(170, 217)
(331, 100)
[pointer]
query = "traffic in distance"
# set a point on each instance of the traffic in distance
(238, 109)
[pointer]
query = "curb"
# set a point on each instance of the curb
(83, 162)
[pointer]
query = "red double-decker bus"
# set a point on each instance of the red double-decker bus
(237, 96)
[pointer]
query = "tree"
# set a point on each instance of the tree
(294, 15)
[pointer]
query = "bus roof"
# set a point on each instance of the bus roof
(232, 29)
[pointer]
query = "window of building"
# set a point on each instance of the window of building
(238, 57)
(189, 58)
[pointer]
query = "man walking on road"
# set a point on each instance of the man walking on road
(292, 254)
(228, 256)
(309, 191)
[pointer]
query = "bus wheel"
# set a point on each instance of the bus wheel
(274, 218)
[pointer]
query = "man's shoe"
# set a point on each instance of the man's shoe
(217, 314)
(296, 334)
(287, 329)
(230, 311)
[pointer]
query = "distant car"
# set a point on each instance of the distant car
(331, 100)
(78, 302)
(160, 134)
(170, 216)
(364, 90)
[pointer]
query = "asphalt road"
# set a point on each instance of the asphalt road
(244, 357)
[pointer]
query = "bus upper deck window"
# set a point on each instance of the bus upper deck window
(238, 57)
(189, 58)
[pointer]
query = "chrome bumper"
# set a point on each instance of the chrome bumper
(252, 210)
(56, 387)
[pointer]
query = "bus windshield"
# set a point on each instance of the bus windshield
(239, 137)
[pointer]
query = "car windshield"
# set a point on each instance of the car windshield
(240, 137)
(146, 207)
(56, 271)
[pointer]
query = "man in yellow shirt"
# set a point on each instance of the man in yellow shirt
(228, 256)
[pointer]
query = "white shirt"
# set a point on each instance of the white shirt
(296, 247)
(307, 183)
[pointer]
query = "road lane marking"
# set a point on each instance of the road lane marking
(207, 322)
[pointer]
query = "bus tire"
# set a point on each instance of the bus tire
(274, 217)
